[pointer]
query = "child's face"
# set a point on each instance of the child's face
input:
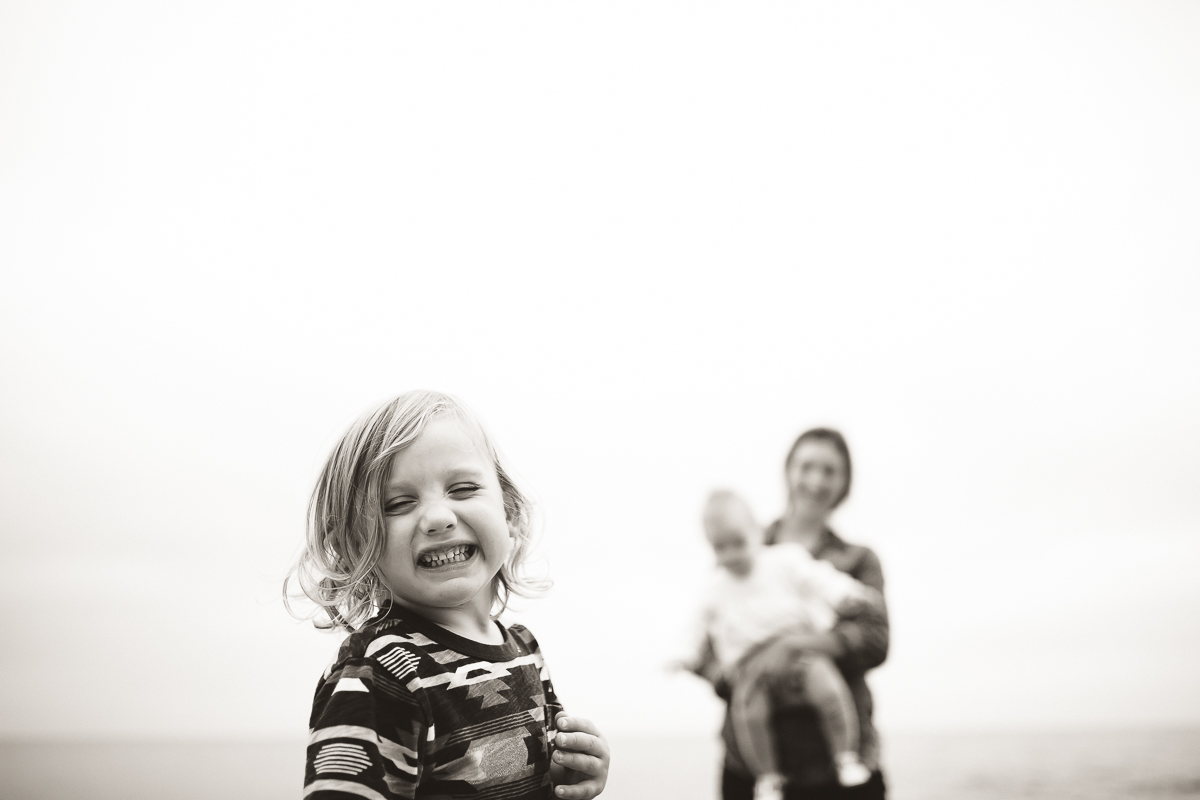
(447, 536)
(734, 541)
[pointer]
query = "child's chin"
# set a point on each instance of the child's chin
(456, 592)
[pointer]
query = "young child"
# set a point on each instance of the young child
(758, 594)
(416, 538)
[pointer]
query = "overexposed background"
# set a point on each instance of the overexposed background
(649, 243)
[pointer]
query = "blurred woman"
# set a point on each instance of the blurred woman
(818, 473)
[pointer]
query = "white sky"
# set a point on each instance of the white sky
(649, 243)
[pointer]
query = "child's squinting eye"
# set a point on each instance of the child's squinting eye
(399, 505)
(463, 489)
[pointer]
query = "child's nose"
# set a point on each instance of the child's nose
(439, 519)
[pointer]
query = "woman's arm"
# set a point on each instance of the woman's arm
(862, 634)
(858, 640)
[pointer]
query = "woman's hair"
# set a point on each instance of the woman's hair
(346, 532)
(839, 443)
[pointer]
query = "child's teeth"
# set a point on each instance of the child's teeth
(454, 554)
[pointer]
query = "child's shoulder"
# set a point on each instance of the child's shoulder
(396, 646)
(524, 637)
(385, 660)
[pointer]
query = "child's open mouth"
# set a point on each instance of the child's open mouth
(455, 554)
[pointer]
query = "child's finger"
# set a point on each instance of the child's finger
(580, 762)
(583, 743)
(580, 791)
(565, 723)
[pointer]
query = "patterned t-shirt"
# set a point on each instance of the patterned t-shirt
(411, 710)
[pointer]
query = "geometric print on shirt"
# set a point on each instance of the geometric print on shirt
(411, 710)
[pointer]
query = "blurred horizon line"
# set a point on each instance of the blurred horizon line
(886, 732)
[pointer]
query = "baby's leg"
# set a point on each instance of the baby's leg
(750, 715)
(829, 695)
(750, 712)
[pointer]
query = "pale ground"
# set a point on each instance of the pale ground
(1150, 765)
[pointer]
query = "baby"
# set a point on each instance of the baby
(758, 594)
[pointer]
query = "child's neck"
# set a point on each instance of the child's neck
(484, 631)
(467, 621)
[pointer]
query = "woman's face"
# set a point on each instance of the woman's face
(816, 477)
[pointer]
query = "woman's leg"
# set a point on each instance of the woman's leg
(736, 786)
(874, 789)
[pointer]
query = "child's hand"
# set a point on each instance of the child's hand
(579, 768)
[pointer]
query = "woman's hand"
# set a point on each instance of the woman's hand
(579, 766)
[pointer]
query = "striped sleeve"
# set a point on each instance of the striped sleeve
(367, 731)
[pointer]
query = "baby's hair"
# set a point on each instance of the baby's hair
(346, 526)
(721, 501)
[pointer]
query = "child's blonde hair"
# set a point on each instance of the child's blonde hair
(723, 502)
(346, 529)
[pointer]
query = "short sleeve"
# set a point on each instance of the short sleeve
(367, 731)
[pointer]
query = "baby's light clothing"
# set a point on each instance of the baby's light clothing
(787, 589)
